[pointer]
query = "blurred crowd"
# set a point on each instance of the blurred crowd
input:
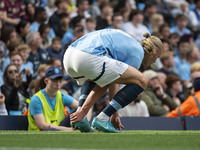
(34, 35)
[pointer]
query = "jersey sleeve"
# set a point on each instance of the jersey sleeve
(35, 106)
(67, 99)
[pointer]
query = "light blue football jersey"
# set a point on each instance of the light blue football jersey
(114, 44)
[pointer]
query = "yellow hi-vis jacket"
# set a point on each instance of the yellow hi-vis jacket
(52, 117)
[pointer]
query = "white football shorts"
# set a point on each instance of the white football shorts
(100, 69)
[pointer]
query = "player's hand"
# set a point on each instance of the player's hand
(2, 99)
(116, 122)
(77, 116)
(159, 90)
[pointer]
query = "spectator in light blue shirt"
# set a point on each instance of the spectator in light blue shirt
(40, 18)
(181, 24)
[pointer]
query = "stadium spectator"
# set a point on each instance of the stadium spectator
(55, 62)
(44, 31)
(105, 19)
(64, 23)
(54, 20)
(195, 74)
(69, 34)
(15, 90)
(175, 88)
(195, 67)
(167, 60)
(162, 77)
(3, 110)
(164, 9)
(41, 70)
(46, 109)
(8, 33)
(190, 107)
(12, 11)
(117, 21)
(23, 28)
(33, 87)
(109, 42)
(156, 21)
(174, 39)
(40, 18)
(37, 56)
(82, 6)
(3, 54)
(135, 27)
(180, 54)
(137, 108)
(12, 45)
(184, 9)
(127, 4)
(50, 8)
(24, 50)
(78, 32)
(192, 56)
(149, 9)
(94, 8)
(55, 50)
(158, 102)
(164, 31)
(180, 27)
(195, 17)
(30, 11)
(16, 59)
(125, 14)
(37, 3)
(90, 25)
(166, 45)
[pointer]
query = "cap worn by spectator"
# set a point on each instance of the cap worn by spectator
(150, 74)
(53, 72)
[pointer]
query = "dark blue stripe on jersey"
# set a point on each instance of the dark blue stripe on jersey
(109, 52)
(102, 72)
(78, 77)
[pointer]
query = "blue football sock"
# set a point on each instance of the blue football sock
(124, 97)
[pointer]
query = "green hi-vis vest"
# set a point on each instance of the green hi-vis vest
(52, 117)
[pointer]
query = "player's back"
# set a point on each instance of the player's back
(116, 43)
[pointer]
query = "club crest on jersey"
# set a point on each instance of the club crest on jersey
(119, 63)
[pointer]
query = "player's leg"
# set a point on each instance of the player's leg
(84, 125)
(136, 82)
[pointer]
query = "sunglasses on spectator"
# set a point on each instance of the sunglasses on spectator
(11, 71)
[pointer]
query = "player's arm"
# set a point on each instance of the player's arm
(42, 125)
(74, 104)
(94, 95)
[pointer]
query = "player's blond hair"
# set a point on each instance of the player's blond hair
(150, 43)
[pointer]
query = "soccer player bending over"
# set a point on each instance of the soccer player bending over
(103, 58)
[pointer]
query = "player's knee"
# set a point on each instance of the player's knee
(143, 82)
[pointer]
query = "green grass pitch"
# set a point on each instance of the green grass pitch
(136, 140)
